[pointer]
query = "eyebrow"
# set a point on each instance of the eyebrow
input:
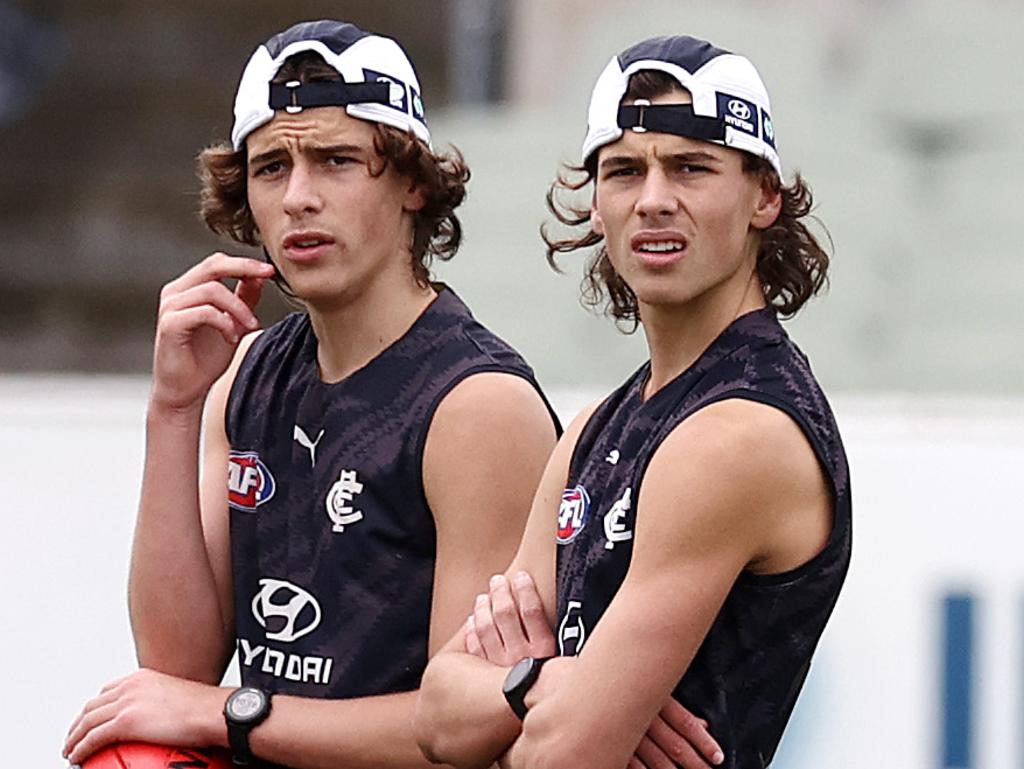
(332, 149)
(616, 161)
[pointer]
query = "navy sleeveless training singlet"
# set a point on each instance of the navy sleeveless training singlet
(332, 540)
(748, 671)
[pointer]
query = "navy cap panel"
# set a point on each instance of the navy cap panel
(687, 52)
(336, 35)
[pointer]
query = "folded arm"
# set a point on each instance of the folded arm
(463, 718)
(720, 495)
(489, 440)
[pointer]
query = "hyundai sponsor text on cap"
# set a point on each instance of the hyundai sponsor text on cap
(730, 103)
(378, 80)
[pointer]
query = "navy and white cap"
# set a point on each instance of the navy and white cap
(730, 103)
(379, 82)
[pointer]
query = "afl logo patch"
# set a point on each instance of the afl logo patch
(250, 482)
(572, 514)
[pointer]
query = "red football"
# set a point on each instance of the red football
(143, 755)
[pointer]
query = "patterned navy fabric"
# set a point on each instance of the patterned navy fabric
(336, 35)
(750, 667)
(690, 53)
(332, 539)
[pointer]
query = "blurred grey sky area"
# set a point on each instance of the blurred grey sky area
(905, 117)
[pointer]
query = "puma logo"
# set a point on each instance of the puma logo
(303, 440)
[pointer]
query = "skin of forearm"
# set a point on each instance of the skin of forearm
(362, 733)
(175, 613)
(462, 718)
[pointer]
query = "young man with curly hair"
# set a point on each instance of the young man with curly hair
(365, 462)
(692, 530)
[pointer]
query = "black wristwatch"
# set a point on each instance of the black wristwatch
(520, 678)
(245, 709)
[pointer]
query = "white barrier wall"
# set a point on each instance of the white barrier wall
(937, 513)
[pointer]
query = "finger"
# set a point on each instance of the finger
(115, 683)
(636, 763)
(105, 697)
(679, 750)
(215, 295)
(506, 617)
(652, 755)
(90, 721)
(693, 729)
(189, 321)
(483, 622)
(531, 611)
(473, 645)
(220, 266)
(249, 291)
(103, 735)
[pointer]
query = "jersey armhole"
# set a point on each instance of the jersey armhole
(428, 418)
(840, 505)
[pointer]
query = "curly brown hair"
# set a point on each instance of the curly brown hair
(791, 264)
(442, 178)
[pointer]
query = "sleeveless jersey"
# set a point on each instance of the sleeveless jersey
(746, 674)
(332, 539)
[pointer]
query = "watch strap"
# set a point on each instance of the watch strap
(515, 692)
(238, 739)
(238, 730)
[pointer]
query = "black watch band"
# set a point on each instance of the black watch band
(520, 678)
(245, 709)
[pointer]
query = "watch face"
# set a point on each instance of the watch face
(245, 704)
(518, 672)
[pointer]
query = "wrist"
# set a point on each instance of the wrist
(163, 411)
(244, 710)
(208, 715)
(519, 681)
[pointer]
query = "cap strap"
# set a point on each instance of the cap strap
(677, 119)
(294, 95)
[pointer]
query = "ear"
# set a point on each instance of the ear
(596, 222)
(415, 199)
(768, 207)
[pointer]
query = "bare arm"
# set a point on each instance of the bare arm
(178, 594)
(484, 454)
(488, 441)
(462, 717)
(721, 494)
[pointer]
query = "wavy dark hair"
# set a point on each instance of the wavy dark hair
(791, 264)
(437, 232)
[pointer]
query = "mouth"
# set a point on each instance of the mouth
(658, 248)
(303, 246)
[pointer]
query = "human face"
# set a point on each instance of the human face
(335, 230)
(680, 217)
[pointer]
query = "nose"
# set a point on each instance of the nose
(302, 194)
(657, 194)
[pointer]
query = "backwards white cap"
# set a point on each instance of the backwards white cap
(378, 80)
(730, 103)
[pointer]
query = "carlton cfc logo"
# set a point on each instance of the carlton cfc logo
(250, 482)
(572, 514)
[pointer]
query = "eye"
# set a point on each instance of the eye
(622, 171)
(341, 160)
(693, 168)
(269, 169)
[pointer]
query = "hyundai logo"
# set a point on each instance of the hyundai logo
(285, 611)
(739, 108)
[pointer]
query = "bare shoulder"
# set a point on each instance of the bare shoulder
(493, 396)
(492, 428)
(744, 469)
(742, 435)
